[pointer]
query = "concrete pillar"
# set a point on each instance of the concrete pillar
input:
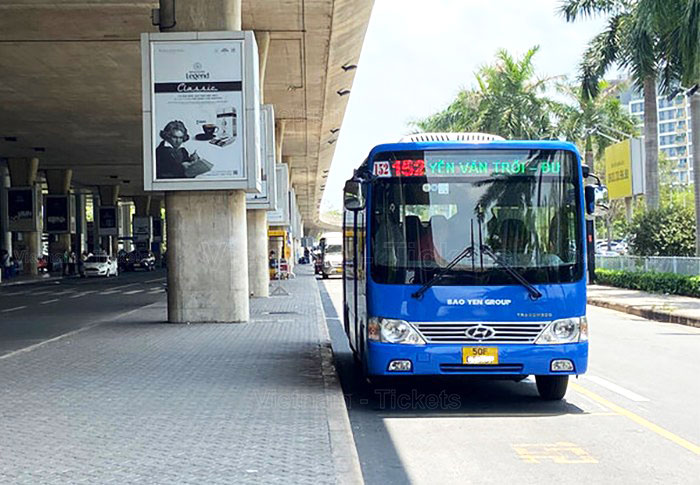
(125, 217)
(23, 172)
(204, 15)
(80, 224)
(58, 182)
(5, 234)
(155, 213)
(207, 256)
(263, 40)
(109, 196)
(96, 242)
(142, 204)
(279, 139)
(207, 234)
(258, 264)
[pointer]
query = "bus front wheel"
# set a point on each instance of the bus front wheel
(552, 388)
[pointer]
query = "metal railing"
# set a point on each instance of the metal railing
(661, 264)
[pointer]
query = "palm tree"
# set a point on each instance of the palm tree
(682, 45)
(590, 122)
(631, 40)
(460, 116)
(509, 102)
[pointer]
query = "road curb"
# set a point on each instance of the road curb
(346, 461)
(34, 281)
(648, 313)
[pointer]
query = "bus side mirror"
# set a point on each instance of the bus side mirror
(353, 199)
(597, 203)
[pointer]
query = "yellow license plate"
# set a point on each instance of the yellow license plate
(480, 355)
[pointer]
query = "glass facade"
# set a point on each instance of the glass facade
(675, 139)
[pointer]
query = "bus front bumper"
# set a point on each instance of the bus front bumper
(447, 359)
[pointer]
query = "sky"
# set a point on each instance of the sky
(418, 54)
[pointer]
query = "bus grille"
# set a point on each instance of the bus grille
(456, 332)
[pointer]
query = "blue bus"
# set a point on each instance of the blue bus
(464, 254)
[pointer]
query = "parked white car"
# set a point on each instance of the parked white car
(101, 265)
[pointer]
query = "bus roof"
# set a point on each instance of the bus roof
(491, 145)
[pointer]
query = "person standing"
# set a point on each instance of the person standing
(5, 264)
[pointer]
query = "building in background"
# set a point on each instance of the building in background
(675, 138)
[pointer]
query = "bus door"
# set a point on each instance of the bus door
(349, 276)
(360, 277)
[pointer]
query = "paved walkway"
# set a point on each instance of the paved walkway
(664, 308)
(26, 280)
(136, 400)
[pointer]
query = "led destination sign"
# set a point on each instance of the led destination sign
(468, 164)
(482, 168)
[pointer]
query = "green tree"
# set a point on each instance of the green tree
(593, 123)
(632, 40)
(666, 231)
(509, 101)
(680, 44)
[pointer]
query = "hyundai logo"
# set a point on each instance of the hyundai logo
(480, 332)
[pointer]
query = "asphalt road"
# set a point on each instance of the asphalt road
(633, 418)
(36, 312)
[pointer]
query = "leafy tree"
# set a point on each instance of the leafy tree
(680, 44)
(509, 101)
(633, 40)
(667, 231)
(593, 123)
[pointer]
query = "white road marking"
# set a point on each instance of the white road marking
(610, 386)
(49, 301)
(13, 309)
(123, 286)
(74, 332)
(155, 280)
(83, 294)
(109, 292)
(133, 292)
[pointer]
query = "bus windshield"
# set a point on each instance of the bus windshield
(522, 205)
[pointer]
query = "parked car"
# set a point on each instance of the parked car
(101, 265)
(122, 256)
(145, 260)
(332, 260)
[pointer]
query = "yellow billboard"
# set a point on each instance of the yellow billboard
(618, 170)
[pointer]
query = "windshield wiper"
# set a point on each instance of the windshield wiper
(535, 294)
(466, 252)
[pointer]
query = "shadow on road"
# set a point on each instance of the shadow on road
(369, 404)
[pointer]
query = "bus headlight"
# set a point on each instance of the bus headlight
(564, 331)
(393, 331)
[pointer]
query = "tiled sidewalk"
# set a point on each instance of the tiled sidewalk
(664, 308)
(141, 401)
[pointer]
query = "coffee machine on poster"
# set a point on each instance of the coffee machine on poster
(226, 122)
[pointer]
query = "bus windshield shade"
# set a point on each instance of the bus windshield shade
(427, 207)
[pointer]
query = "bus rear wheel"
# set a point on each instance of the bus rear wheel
(552, 388)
